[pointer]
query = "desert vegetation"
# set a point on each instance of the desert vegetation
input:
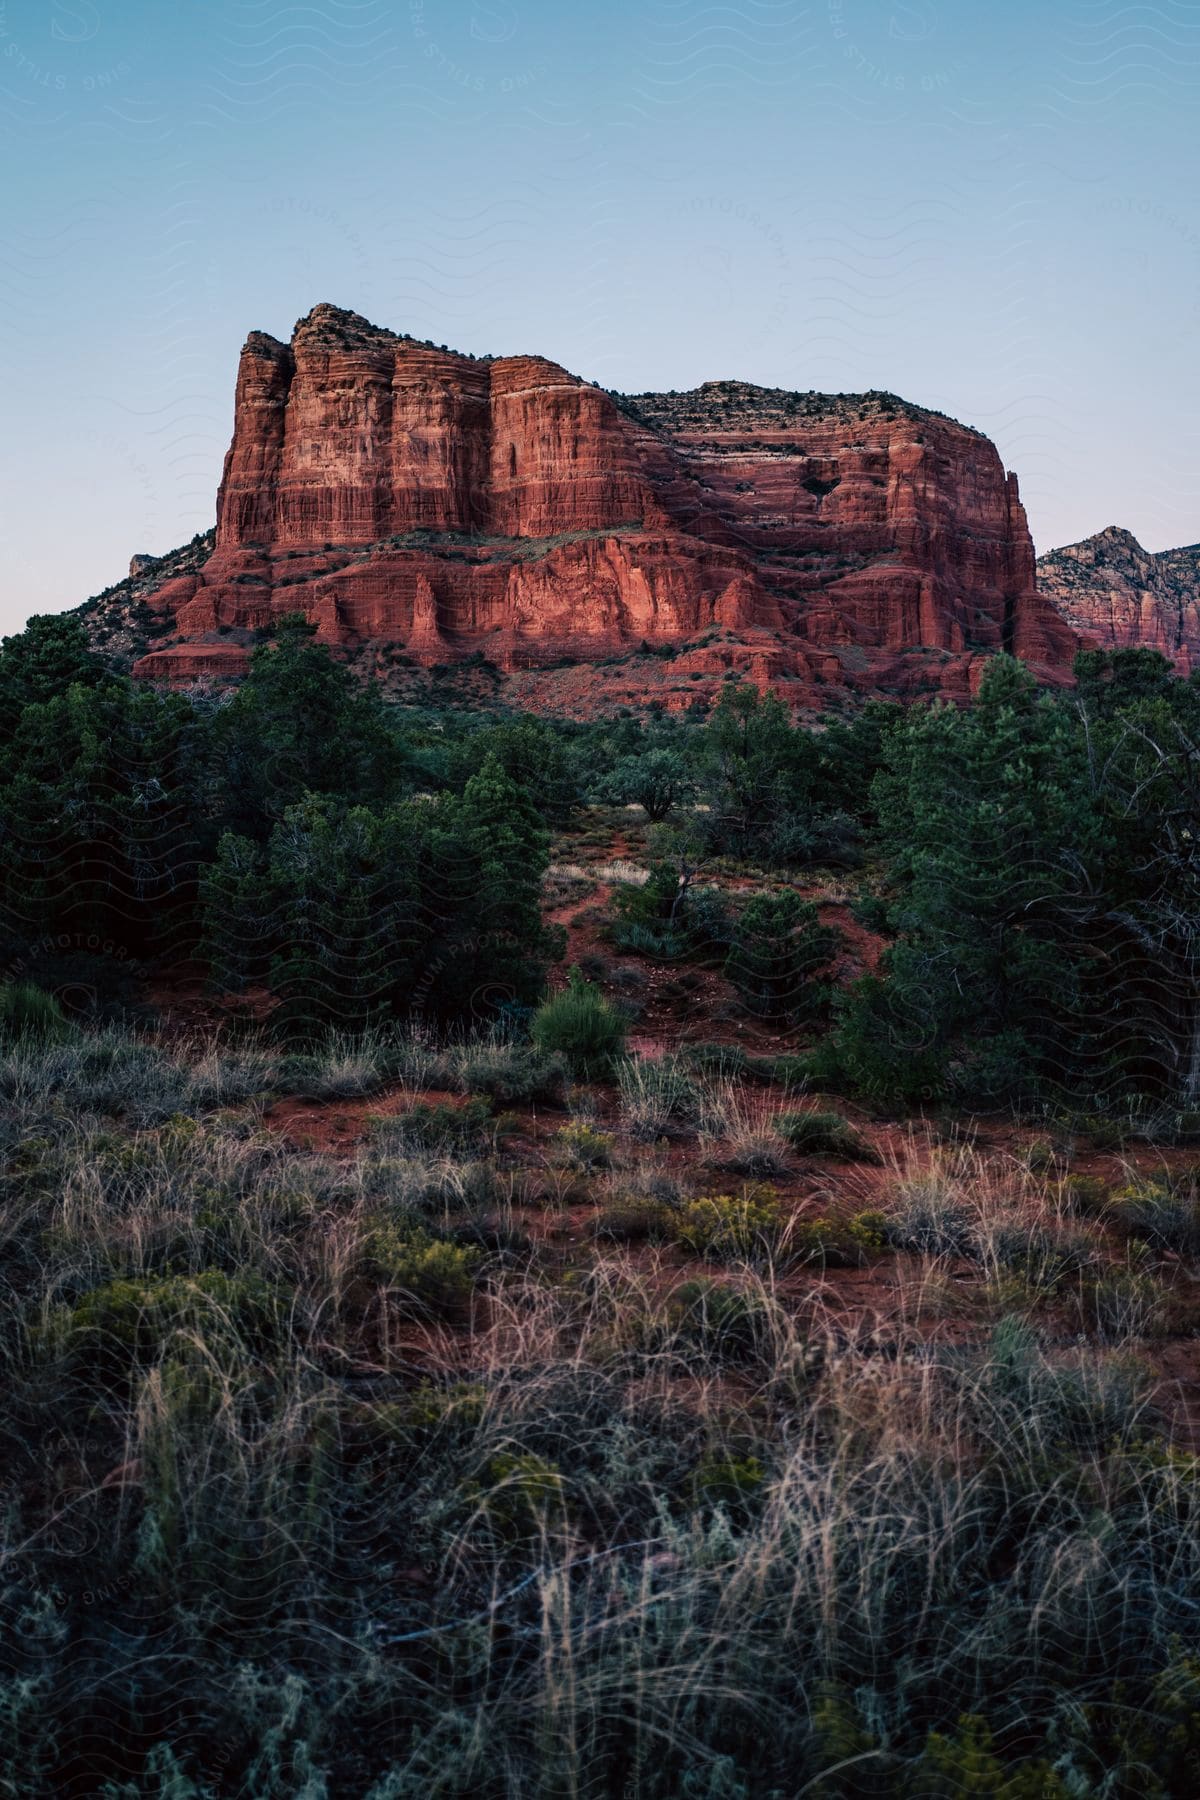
(525, 1280)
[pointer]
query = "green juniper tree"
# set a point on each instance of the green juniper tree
(656, 780)
(40, 663)
(778, 950)
(298, 724)
(985, 824)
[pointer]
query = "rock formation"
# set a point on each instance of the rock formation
(1117, 596)
(404, 496)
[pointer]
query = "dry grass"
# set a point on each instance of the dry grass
(322, 1480)
(622, 871)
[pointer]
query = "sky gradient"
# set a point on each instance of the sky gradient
(989, 209)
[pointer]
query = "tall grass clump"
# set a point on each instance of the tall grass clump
(509, 1071)
(660, 1097)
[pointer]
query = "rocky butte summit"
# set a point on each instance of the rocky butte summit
(1117, 596)
(426, 509)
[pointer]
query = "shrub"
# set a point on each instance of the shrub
(437, 1276)
(789, 1071)
(1164, 1215)
(1040, 1155)
(510, 1073)
(458, 1408)
(344, 1067)
(29, 1012)
(581, 1146)
(125, 1325)
(727, 1062)
(825, 1134)
(443, 1130)
(779, 945)
(583, 1027)
(952, 1766)
(732, 1482)
(1085, 1195)
(931, 1225)
(730, 1228)
(656, 780)
(635, 1218)
(835, 1243)
(727, 1323)
(525, 1493)
(1045, 1259)
(1122, 1302)
(660, 943)
(1031, 1408)
(869, 1230)
(755, 1150)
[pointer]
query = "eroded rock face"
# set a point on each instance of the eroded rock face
(404, 495)
(1117, 596)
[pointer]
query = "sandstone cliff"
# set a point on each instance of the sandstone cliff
(457, 508)
(1117, 596)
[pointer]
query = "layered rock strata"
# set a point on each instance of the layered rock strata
(402, 495)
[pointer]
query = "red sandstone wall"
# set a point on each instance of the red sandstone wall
(855, 527)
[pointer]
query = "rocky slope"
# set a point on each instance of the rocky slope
(120, 622)
(442, 509)
(1118, 596)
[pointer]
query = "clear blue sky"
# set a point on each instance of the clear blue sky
(988, 208)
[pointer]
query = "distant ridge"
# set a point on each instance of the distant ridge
(1118, 596)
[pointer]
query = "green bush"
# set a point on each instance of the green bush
(511, 1073)
(441, 1129)
(1086, 1195)
(660, 943)
(779, 947)
(29, 1012)
(1163, 1214)
(727, 1323)
(835, 1243)
(524, 1494)
(659, 1097)
(825, 1134)
(952, 1766)
(582, 1146)
(732, 1482)
(730, 1227)
(436, 1276)
(579, 1024)
(126, 1325)
(432, 1408)
(635, 1218)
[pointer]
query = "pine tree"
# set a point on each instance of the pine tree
(987, 829)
